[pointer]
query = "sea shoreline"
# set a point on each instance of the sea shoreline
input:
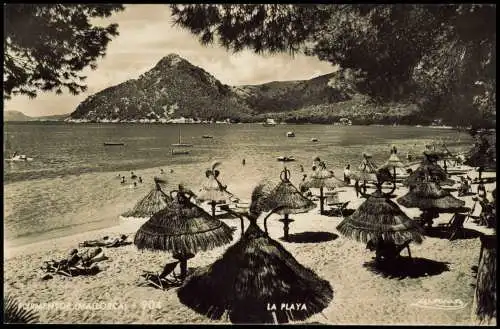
(361, 297)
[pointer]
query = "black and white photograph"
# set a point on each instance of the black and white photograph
(311, 164)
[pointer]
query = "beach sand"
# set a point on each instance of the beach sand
(360, 295)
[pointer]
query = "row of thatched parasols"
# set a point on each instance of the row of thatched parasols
(254, 272)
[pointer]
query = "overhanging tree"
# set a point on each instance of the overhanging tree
(46, 46)
(439, 54)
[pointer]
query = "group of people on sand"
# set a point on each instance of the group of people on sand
(82, 262)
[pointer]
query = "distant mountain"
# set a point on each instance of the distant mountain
(20, 117)
(15, 116)
(175, 88)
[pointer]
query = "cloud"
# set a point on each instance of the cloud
(147, 35)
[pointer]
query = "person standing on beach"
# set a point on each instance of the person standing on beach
(347, 174)
(243, 161)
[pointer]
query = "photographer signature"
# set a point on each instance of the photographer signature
(441, 304)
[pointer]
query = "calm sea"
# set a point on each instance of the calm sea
(71, 185)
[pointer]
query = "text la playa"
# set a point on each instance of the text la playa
(286, 307)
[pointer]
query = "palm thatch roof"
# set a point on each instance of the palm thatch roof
(153, 202)
(182, 228)
(285, 195)
(255, 272)
(379, 217)
(367, 165)
(367, 170)
(213, 191)
(322, 178)
(393, 162)
(428, 170)
(429, 195)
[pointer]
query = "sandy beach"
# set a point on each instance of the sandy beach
(361, 296)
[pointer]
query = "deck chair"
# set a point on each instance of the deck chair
(456, 226)
(338, 209)
(161, 281)
(392, 251)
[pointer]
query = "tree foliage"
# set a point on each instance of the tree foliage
(47, 45)
(443, 56)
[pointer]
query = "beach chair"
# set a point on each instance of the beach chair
(161, 281)
(456, 226)
(337, 209)
(391, 251)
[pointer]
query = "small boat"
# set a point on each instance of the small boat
(113, 143)
(314, 139)
(269, 123)
(290, 134)
(285, 159)
(20, 158)
(180, 144)
(179, 152)
(207, 136)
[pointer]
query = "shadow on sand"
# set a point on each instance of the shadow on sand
(310, 237)
(444, 233)
(404, 267)
(335, 213)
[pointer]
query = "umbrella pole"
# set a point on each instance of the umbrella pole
(321, 201)
(183, 266)
(213, 208)
(286, 225)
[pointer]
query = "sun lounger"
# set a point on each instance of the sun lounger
(337, 209)
(161, 281)
(388, 250)
(456, 226)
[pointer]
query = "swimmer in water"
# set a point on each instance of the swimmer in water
(140, 179)
(161, 171)
(123, 180)
(132, 175)
(243, 162)
(171, 170)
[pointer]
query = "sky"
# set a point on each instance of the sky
(146, 36)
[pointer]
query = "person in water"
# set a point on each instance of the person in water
(301, 168)
(243, 161)
(161, 171)
(140, 179)
(123, 180)
(132, 175)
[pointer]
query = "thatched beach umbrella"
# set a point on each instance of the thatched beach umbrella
(429, 169)
(285, 195)
(153, 202)
(483, 153)
(252, 280)
(366, 171)
(379, 218)
(431, 199)
(393, 162)
(213, 190)
(322, 178)
(183, 229)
